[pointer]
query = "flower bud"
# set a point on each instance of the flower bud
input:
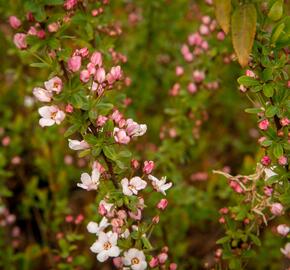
(14, 22)
(162, 204)
(74, 63)
(277, 209)
(148, 166)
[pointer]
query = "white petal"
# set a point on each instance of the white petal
(86, 179)
(114, 251)
(93, 227)
(113, 239)
(82, 186)
(96, 247)
(95, 175)
(103, 237)
(45, 111)
(102, 256)
(46, 122)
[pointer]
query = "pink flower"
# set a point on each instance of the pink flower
(236, 187)
(70, 4)
(91, 68)
(283, 229)
(173, 266)
(198, 76)
(54, 84)
(121, 136)
(282, 160)
(135, 163)
(193, 39)
(96, 59)
(114, 74)
(41, 34)
(100, 75)
(264, 124)
(19, 40)
(266, 161)
(133, 129)
(14, 22)
(74, 63)
(136, 215)
(133, 185)
(78, 145)
(101, 120)
(85, 76)
(32, 31)
(277, 209)
(53, 27)
(148, 166)
(162, 204)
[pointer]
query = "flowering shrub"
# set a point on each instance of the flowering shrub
(101, 100)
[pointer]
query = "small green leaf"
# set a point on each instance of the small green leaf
(268, 90)
(271, 111)
(277, 150)
(255, 239)
(276, 10)
(253, 110)
(247, 81)
(71, 130)
(110, 152)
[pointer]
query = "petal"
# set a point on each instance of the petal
(114, 251)
(93, 227)
(167, 186)
(113, 239)
(127, 191)
(103, 237)
(95, 175)
(46, 122)
(82, 186)
(86, 179)
(102, 256)
(96, 247)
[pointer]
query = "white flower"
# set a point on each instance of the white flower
(133, 186)
(78, 145)
(135, 258)
(54, 84)
(41, 94)
(94, 227)
(90, 182)
(106, 246)
(160, 185)
(269, 173)
(286, 250)
(50, 115)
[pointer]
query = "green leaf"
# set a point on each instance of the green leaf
(223, 240)
(271, 111)
(146, 243)
(277, 150)
(268, 90)
(39, 65)
(266, 143)
(276, 10)
(244, 21)
(277, 32)
(104, 108)
(255, 239)
(223, 13)
(267, 74)
(253, 110)
(110, 152)
(71, 130)
(247, 81)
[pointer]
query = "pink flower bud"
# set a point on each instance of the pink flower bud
(285, 122)
(6, 141)
(101, 120)
(79, 219)
(173, 266)
(148, 166)
(70, 4)
(198, 76)
(84, 52)
(135, 164)
(41, 34)
(155, 219)
(220, 35)
(282, 160)
(14, 22)
(85, 76)
(115, 74)
(191, 88)
(264, 124)
(179, 71)
(224, 210)
(162, 258)
(19, 40)
(268, 191)
(250, 73)
(69, 218)
(102, 210)
(266, 161)
(204, 30)
(121, 136)
(122, 214)
(74, 63)
(222, 220)
(118, 262)
(242, 88)
(53, 27)
(91, 68)
(153, 262)
(69, 108)
(188, 57)
(116, 116)
(205, 19)
(162, 204)
(96, 59)
(277, 209)
(283, 229)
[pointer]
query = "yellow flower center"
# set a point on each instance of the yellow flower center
(107, 245)
(135, 261)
